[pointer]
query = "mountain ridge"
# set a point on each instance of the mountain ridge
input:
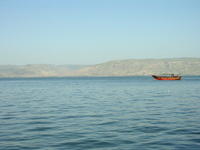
(128, 67)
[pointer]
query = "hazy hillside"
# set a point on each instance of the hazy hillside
(183, 66)
(43, 70)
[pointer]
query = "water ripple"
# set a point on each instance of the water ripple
(99, 113)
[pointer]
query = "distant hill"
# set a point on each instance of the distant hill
(130, 67)
(39, 70)
(183, 66)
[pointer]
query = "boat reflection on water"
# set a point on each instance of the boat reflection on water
(167, 77)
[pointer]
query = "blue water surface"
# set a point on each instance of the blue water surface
(99, 113)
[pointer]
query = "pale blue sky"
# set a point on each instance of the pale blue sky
(95, 31)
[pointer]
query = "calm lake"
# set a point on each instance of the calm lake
(99, 113)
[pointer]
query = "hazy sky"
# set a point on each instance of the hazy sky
(94, 31)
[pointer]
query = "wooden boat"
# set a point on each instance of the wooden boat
(167, 77)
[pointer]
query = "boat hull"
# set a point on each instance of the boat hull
(166, 77)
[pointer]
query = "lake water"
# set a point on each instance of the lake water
(104, 113)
